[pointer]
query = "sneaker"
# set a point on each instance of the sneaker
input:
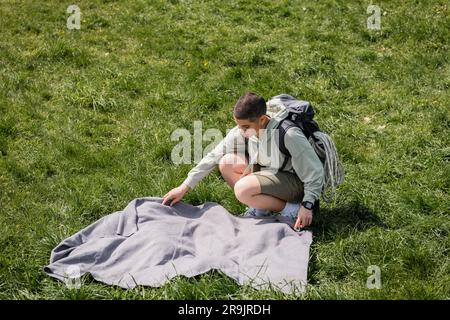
(289, 219)
(292, 216)
(251, 212)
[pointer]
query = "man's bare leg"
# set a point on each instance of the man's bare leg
(231, 166)
(248, 191)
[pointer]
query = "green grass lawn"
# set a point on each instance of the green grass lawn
(86, 117)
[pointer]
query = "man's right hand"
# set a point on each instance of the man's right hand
(175, 195)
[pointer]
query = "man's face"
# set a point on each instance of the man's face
(249, 128)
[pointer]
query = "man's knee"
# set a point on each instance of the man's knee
(246, 187)
(240, 189)
(231, 162)
(224, 163)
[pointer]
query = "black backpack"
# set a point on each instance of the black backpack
(301, 115)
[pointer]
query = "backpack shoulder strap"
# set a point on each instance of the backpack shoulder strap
(283, 127)
(246, 147)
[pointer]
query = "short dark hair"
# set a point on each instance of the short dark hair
(250, 106)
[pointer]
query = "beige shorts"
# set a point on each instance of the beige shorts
(281, 184)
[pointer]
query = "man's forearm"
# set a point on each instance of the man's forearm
(232, 142)
(201, 170)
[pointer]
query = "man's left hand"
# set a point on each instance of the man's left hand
(304, 218)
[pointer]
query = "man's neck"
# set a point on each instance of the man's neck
(264, 126)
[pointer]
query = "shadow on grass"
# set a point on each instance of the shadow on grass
(343, 221)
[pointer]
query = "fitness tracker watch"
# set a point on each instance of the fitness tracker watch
(308, 205)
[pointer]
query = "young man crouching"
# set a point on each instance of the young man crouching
(253, 171)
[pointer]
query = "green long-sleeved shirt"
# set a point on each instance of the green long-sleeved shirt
(264, 151)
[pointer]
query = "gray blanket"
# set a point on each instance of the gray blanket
(149, 243)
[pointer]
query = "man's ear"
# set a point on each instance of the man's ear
(262, 119)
